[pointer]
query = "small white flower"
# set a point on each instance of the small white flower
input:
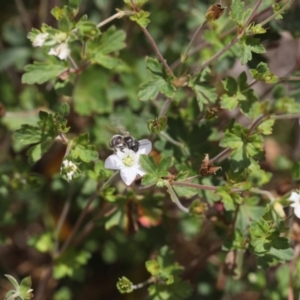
(69, 169)
(295, 198)
(40, 39)
(127, 161)
(61, 50)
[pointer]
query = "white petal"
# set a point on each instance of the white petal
(113, 162)
(128, 175)
(294, 197)
(52, 52)
(62, 51)
(297, 211)
(294, 204)
(40, 40)
(145, 147)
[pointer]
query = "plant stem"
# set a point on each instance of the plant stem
(287, 116)
(156, 50)
(83, 214)
(25, 17)
(214, 188)
(172, 141)
(174, 197)
(73, 63)
(276, 13)
(118, 15)
(234, 41)
(62, 217)
(186, 54)
(142, 284)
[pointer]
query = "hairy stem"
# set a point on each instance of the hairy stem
(83, 214)
(118, 15)
(156, 50)
(234, 41)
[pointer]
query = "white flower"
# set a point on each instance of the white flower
(295, 198)
(40, 39)
(69, 169)
(127, 161)
(61, 50)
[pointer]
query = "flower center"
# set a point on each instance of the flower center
(128, 160)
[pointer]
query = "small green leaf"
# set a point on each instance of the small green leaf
(41, 72)
(184, 191)
(141, 17)
(153, 267)
(248, 45)
(13, 281)
(82, 149)
(266, 127)
(231, 140)
(148, 163)
(164, 165)
(238, 12)
(112, 40)
(162, 82)
(25, 288)
(263, 73)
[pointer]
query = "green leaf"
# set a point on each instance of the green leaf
(161, 82)
(13, 281)
(153, 267)
(226, 198)
(148, 163)
(231, 140)
(90, 95)
(25, 288)
(238, 12)
(36, 152)
(263, 73)
(248, 45)
(106, 61)
(238, 92)
(41, 72)
(204, 93)
(70, 262)
(254, 144)
(112, 40)
(150, 89)
(82, 149)
(164, 165)
(184, 191)
(266, 127)
(141, 17)
(282, 254)
(229, 102)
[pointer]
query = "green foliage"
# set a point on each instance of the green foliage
(248, 45)
(161, 82)
(263, 73)
(41, 72)
(166, 272)
(141, 17)
(155, 171)
(238, 12)
(96, 75)
(21, 291)
(70, 263)
(238, 93)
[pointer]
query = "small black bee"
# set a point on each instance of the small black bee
(124, 141)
